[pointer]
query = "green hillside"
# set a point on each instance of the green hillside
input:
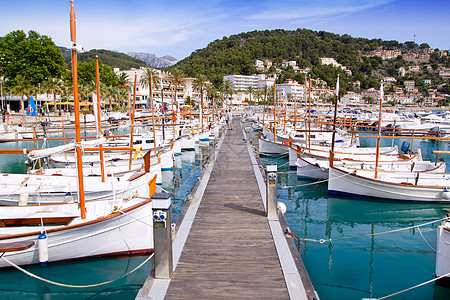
(110, 58)
(236, 55)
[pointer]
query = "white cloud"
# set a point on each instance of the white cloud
(289, 11)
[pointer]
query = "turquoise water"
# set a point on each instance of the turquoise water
(364, 267)
(17, 285)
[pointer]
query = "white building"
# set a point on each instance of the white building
(351, 98)
(243, 82)
(265, 80)
(291, 63)
(161, 91)
(292, 88)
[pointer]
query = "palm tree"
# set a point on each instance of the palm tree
(177, 79)
(21, 87)
(250, 91)
(53, 86)
(149, 79)
(112, 94)
(124, 84)
(258, 95)
(228, 88)
(265, 91)
(212, 96)
(199, 84)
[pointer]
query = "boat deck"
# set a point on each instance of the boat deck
(230, 251)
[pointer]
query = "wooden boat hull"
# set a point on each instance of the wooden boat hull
(267, 147)
(443, 250)
(309, 170)
(347, 184)
(114, 234)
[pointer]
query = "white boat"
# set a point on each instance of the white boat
(402, 186)
(9, 132)
(33, 234)
(111, 159)
(32, 189)
(312, 168)
(443, 250)
(268, 147)
(110, 228)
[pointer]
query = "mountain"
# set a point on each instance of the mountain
(236, 54)
(154, 61)
(111, 58)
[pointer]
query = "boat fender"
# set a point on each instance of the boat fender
(405, 147)
(281, 207)
(446, 194)
(43, 248)
(23, 199)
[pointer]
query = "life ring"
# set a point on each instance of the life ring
(30, 109)
(285, 143)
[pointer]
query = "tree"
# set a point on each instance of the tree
(124, 84)
(228, 89)
(53, 86)
(34, 57)
(86, 73)
(250, 91)
(149, 79)
(199, 84)
(177, 79)
(20, 86)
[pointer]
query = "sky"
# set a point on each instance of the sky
(179, 27)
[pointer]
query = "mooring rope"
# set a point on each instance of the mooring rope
(134, 218)
(315, 182)
(321, 241)
(413, 287)
(71, 285)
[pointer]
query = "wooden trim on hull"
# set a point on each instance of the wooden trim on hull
(110, 216)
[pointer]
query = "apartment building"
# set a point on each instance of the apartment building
(162, 91)
(409, 85)
(292, 88)
(386, 54)
(243, 82)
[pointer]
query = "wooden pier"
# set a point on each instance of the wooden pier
(230, 251)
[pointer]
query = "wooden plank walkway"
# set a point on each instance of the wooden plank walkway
(230, 252)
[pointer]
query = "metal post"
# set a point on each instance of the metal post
(212, 148)
(271, 192)
(1, 87)
(37, 100)
(162, 235)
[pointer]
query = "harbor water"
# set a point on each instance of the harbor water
(357, 264)
(15, 284)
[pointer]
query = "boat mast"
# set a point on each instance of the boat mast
(132, 120)
(335, 115)
(153, 111)
(99, 128)
(201, 110)
(379, 131)
(309, 116)
(295, 111)
(173, 111)
(274, 112)
(73, 36)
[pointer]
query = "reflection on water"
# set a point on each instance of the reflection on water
(16, 285)
(372, 266)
